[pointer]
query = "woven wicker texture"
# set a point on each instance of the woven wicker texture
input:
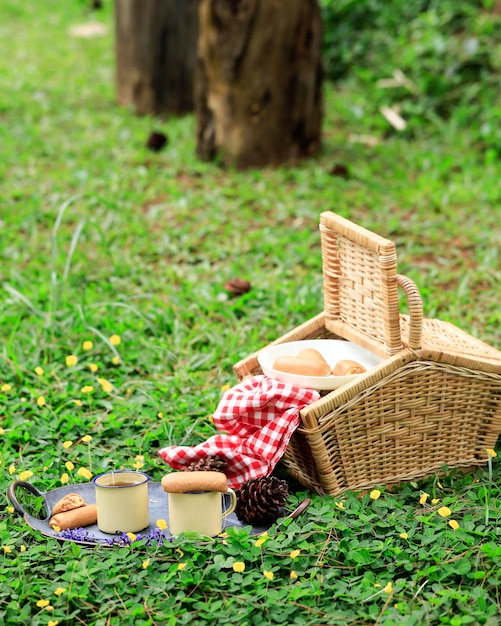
(360, 284)
(433, 403)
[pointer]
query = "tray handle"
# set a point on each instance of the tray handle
(301, 508)
(11, 494)
(415, 304)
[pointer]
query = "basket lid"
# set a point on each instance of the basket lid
(360, 285)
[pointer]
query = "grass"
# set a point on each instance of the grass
(101, 237)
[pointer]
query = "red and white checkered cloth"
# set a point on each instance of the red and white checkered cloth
(258, 417)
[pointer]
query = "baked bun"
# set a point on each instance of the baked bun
(299, 366)
(68, 503)
(310, 354)
(75, 518)
(184, 482)
(345, 367)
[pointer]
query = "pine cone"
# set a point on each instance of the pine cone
(340, 170)
(209, 463)
(260, 500)
(237, 286)
(156, 141)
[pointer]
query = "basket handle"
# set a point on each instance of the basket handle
(415, 304)
(11, 494)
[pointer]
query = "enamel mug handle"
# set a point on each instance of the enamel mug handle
(233, 502)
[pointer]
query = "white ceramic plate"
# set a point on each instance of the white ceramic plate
(333, 350)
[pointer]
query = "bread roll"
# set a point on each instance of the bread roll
(301, 367)
(184, 482)
(345, 367)
(68, 503)
(76, 518)
(310, 354)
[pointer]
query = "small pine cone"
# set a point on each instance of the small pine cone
(208, 463)
(156, 141)
(238, 286)
(340, 170)
(260, 500)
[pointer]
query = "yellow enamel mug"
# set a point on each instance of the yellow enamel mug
(122, 501)
(196, 502)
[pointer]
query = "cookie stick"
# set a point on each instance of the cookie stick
(76, 518)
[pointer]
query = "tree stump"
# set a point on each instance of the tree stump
(258, 86)
(155, 46)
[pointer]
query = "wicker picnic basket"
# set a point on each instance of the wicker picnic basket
(433, 402)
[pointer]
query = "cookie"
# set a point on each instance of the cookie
(184, 482)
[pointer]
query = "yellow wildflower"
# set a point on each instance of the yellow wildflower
(42, 603)
(404, 535)
(293, 575)
(374, 494)
(87, 389)
(2, 431)
(25, 475)
(423, 497)
(160, 415)
(115, 340)
(131, 536)
(339, 505)
(69, 466)
(6, 387)
(10, 509)
(78, 402)
(12, 469)
(86, 438)
(268, 575)
(453, 524)
(41, 401)
(115, 360)
(146, 563)
(83, 471)
(238, 566)
(53, 622)
(56, 528)
(105, 384)
(22, 548)
(180, 552)
(60, 590)
(64, 478)
(435, 501)
(259, 542)
(388, 588)
(93, 367)
(181, 566)
(225, 388)
(162, 524)
(492, 453)
(39, 371)
(7, 549)
(67, 444)
(71, 360)
(294, 554)
(87, 345)
(444, 511)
